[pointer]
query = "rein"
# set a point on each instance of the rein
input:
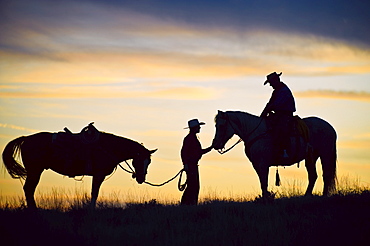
(132, 170)
(225, 151)
(240, 140)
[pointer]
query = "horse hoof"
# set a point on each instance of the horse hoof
(266, 198)
(268, 195)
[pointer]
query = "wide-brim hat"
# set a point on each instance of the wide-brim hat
(194, 123)
(272, 76)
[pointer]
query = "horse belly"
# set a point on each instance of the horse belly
(83, 163)
(74, 165)
(296, 153)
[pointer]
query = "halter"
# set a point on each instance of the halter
(132, 170)
(115, 158)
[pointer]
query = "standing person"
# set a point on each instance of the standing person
(191, 153)
(283, 105)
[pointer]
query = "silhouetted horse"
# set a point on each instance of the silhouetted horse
(259, 147)
(68, 154)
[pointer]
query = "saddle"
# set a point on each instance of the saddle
(296, 127)
(300, 128)
(75, 149)
(296, 138)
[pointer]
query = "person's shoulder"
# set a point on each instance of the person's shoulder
(284, 87)
(188, 137)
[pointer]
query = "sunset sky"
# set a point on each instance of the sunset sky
(142, 69)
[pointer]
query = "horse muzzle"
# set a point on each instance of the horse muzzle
(139, 178)
(217, 145)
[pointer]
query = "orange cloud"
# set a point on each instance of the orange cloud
(176, 93)
(347, 95)
(21, 128)
(359, 69)
(201, 55)
(309, 46)
(355, 144)
(184, 93)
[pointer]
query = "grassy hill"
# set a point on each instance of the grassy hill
(342, 219)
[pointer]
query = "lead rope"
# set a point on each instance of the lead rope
(180, 186)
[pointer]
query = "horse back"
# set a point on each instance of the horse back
(322, 139)
(37, 141)
(36, 148)
(320, 130)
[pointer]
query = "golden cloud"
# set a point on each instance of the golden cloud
(355, 144)
(310, 47)
(176, 93)
(185, 93)
(347, 95)
(20, 128)
(204, 55)
(158, 133)
(112, 67)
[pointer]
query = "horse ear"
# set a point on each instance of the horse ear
(152, 151)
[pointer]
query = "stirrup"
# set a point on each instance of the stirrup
(285, 154)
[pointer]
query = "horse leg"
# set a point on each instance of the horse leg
(312, 175)
(29, 188)
(328, 161)
(263, 172)
(96, 183)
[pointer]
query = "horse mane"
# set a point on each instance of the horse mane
(121, 142)
(240, 118)
(241, 114)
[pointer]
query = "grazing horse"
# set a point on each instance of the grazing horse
(259, 147)
(68, 154)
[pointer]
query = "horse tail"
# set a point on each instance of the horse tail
(329, 165)
(10, 154)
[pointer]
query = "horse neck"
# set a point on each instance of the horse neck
(123, 148)
(245, 124)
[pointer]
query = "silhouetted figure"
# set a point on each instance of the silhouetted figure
(191, 152)
(89, 152)
(322, 143)
(282, 105)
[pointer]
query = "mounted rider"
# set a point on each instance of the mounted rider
(282, 106)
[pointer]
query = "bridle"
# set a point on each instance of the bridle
(145, 164)
(221, 151)
(132, 171)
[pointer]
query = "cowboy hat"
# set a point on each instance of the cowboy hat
(194, 123)
(272, 76)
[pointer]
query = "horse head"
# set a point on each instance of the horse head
(141, 162)
(224, 130)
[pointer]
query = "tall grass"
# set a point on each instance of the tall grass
(342, 219)
(62, 199)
